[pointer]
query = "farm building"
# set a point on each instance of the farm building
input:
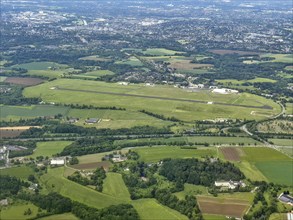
(118, 158)
(230, 184)
(286, 198)
(57, 161)
(91, 120)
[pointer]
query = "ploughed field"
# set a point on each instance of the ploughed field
(160, 99)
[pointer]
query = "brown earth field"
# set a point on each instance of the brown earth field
(92, 166)
(224, 52)
(230, 153)
(228, 207)
(8, 132)
(24, 81)
(187, 65)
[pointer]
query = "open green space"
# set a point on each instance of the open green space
(40, 66)
(289, 108)
(115, 186)
(282, 58)
(115, 119)
(240, 82)
(54, 181)
(18, 112)
(16, 211)
(21, 172)
(132, 61)
(137, 97)
(274, 165)
(2, 78)
(65, 216)
(282, 142)
(150, 209)
(154, 51)
(214, 217)
(154, 154)
(190, 189)
(49, 148)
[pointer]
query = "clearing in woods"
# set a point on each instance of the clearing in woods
(24, 81)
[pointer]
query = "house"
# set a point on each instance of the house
(91, 120)
(57, 161)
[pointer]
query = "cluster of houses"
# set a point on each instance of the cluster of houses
(230, 184)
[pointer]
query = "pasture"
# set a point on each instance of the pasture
(190, 189)
(165, 100)
(282, 142)
(65, 216)
(289, 108)
(154, 154)
(275, 166)
(18, 112)
(240, 82)
(150, 209)
(224, 52)
(220, 206)
(132, 61)
(16, 211)
(49, 148)
(55, 181)
(92, 166)
(115, 119)
(40, 66)
(154, 51)
(115, 186)
(21, 172)
(95, 58)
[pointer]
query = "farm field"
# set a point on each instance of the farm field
(154, 154)
(226, 207)
(115, 118)
(115, 186)
(54, 181)
(282, 142)
(16, 211)
(275, 166)
(8, 132)
(171, 101)
(49, 148)
(154, 51)
(91, 166)
(240, 82)
(95, 58)
(18, 112)
(150, 209)
(224, 52)
(40, 66)
(289, 108)
(24, 81)
(21, 172)
(65, 216)
(2, 78)
(132, 61)
(213, 217)
(195, 139)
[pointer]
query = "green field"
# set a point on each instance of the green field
(2, 78)
(54, 181)
(89, 94)
(132, 61)
(16, 211)
(114, 186)
(212, 140)
(65, 216)
(289, 108)
(21, 172)
(49, 148)
(275, 166)
(40, 66)
(213, 217)
(154, 51)
(18, 112)
(154, 154)
(240, 82)
(282, 142)
(150, 209)
(115, 119)
(190, 189)
(282, 58)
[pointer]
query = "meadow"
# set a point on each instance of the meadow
(18, 112)
(49, 148)
(240, 82)
(16, 211)
(40, 66)
(114, 186)
(275, 166)
(154, 154)
(282, 58)
(150, 209)
(21, 172)
(155, 51)
(137, 97)
(282, 142)
(132, 61)
(65, 216)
